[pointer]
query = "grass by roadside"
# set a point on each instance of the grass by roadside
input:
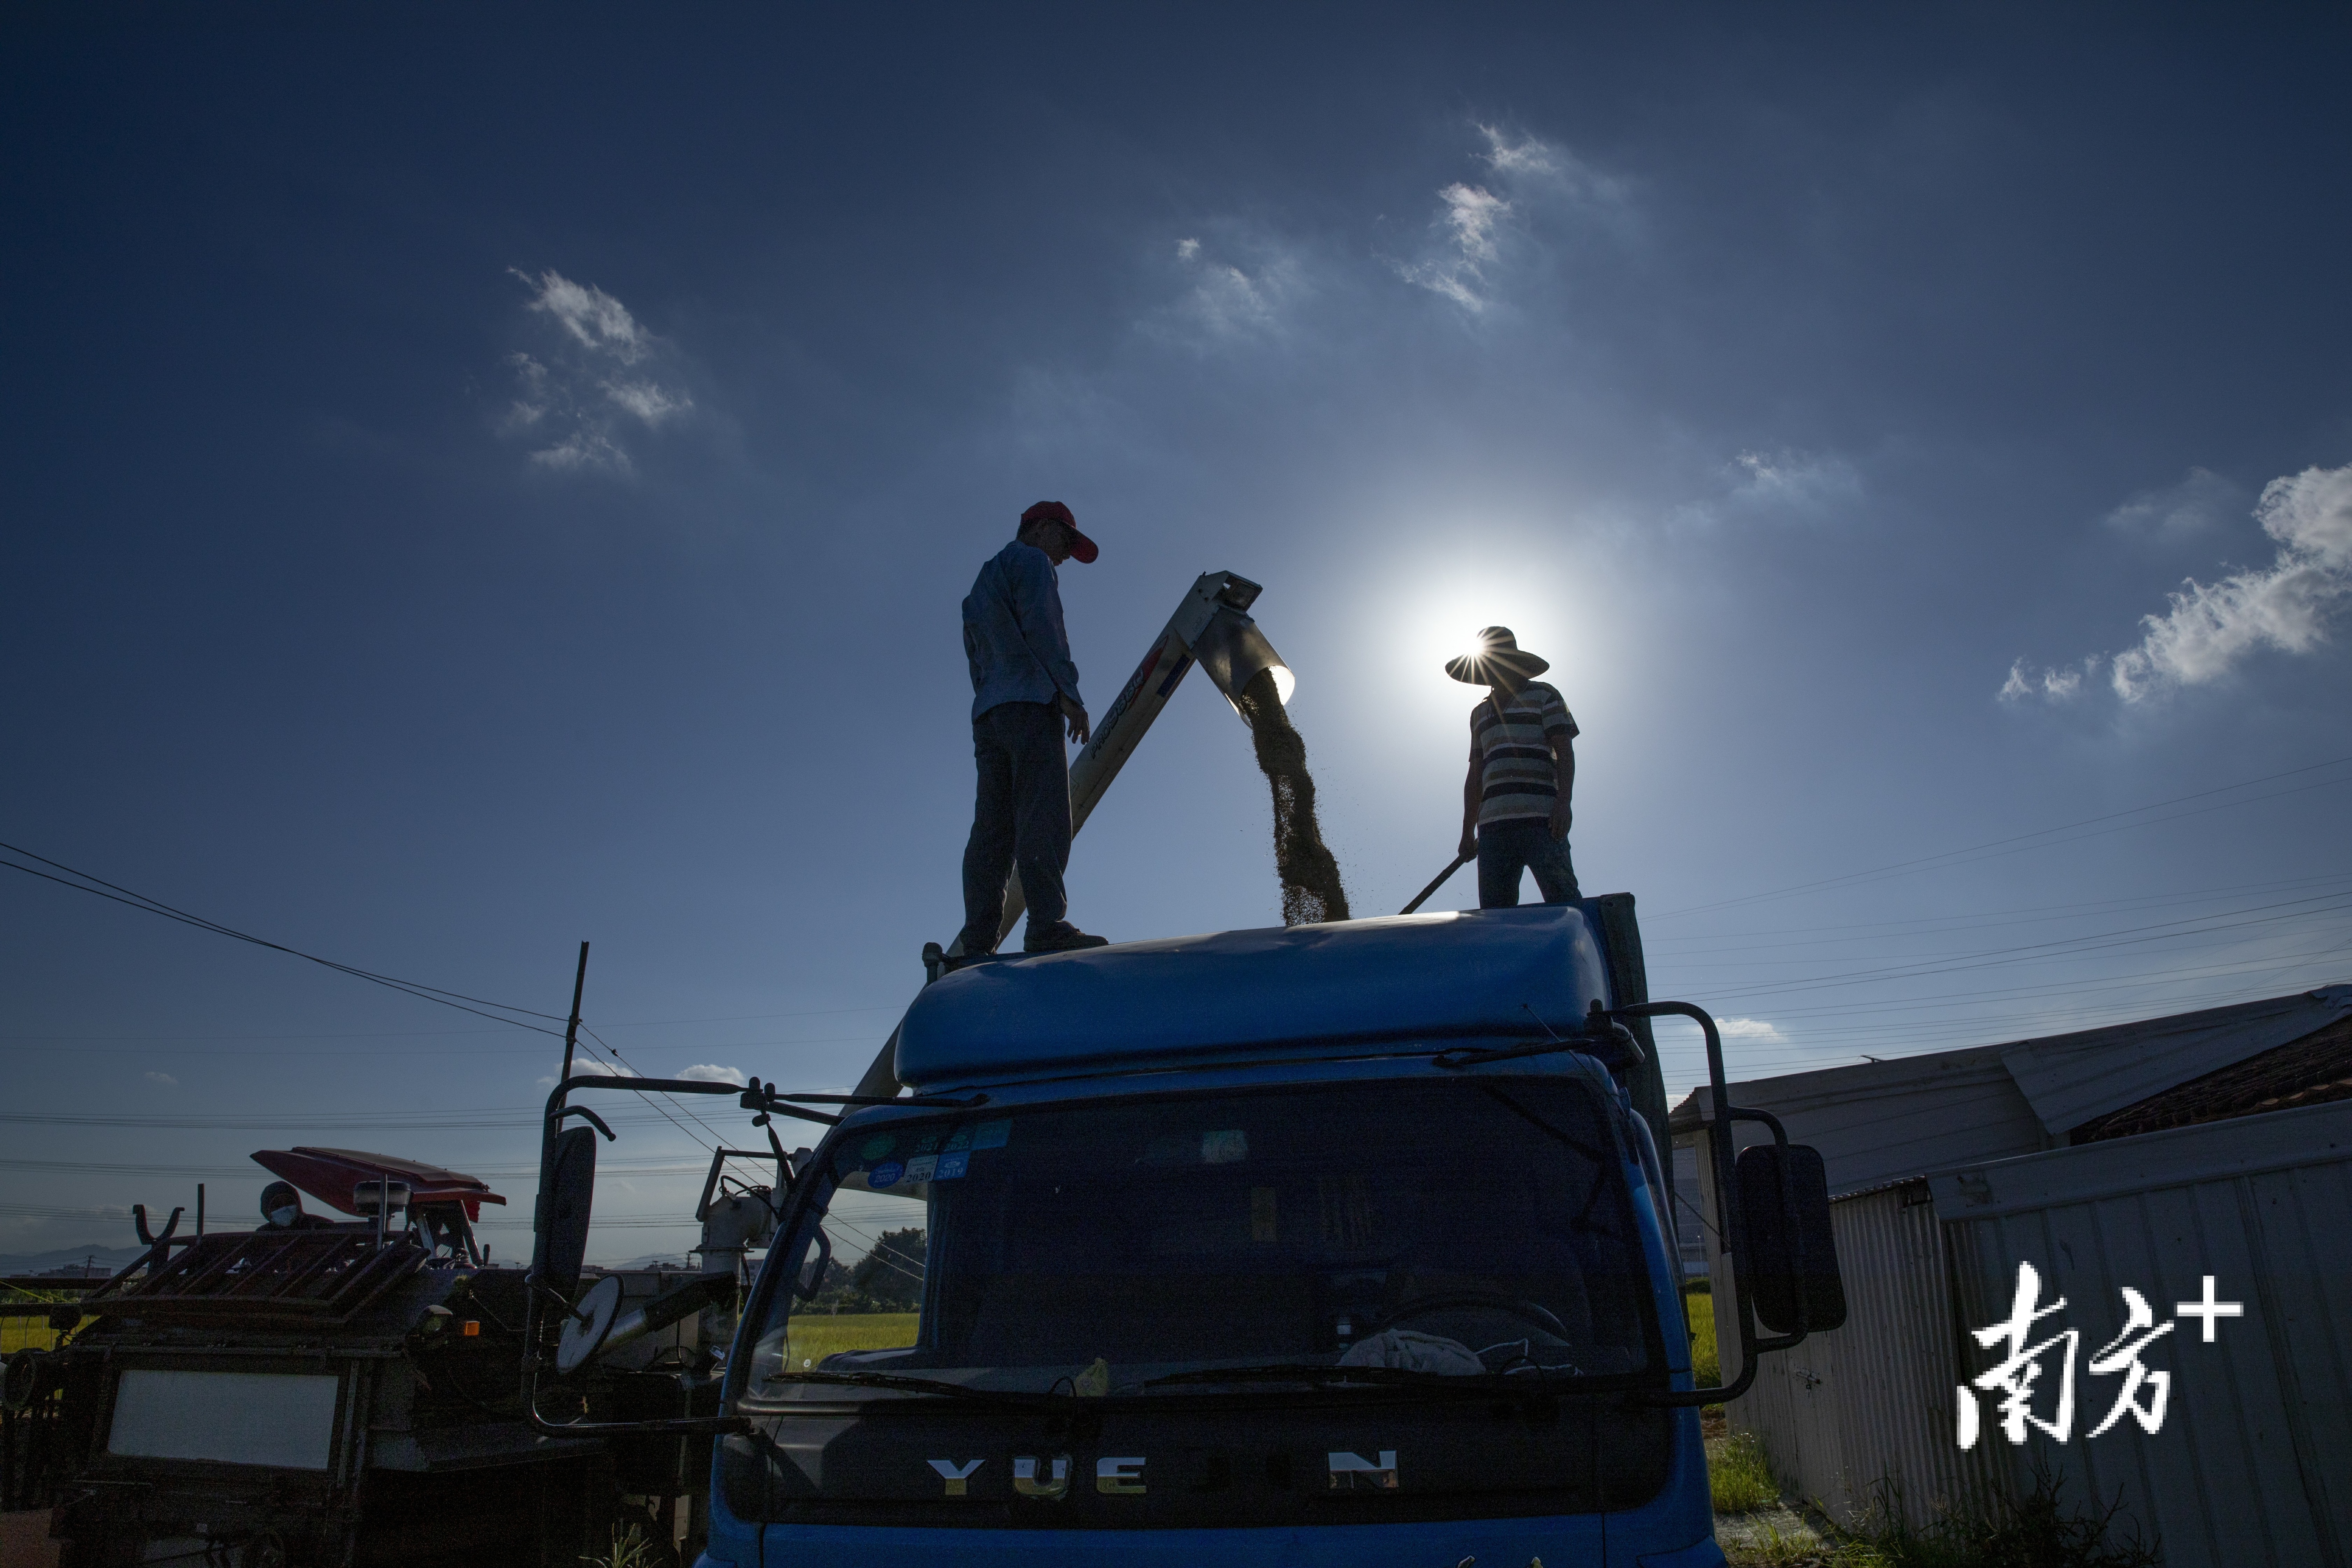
(1706, 1366)
(1760, 1526)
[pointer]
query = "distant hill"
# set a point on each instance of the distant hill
(110, 1259)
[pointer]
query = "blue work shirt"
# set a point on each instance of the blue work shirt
(1012, 632)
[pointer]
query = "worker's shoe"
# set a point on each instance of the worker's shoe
(1059, 937)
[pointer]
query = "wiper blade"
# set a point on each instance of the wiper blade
(1316, 1372)
(1326, 1376)
(904, 1384)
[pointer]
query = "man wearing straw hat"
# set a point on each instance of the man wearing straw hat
(1515, 803)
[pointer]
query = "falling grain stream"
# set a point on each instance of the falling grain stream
(1310, 877)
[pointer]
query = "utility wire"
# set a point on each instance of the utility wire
(2067, 948)
(121, 895)
(1681, 947)
(1925, 861)
(666, 1115)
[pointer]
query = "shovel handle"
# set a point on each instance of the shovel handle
(1422, 897)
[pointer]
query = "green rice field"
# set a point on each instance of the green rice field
(814, 1336)
(29, 1333)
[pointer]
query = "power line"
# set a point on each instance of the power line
(2067, 947)
(1929, 925)
(1926, 861)
(673, 1121)
(121, 895)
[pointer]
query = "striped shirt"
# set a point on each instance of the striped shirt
(1514, 747)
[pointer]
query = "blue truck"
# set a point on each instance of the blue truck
(1340, 1244)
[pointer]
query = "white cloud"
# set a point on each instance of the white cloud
(163, 1079)
(1530, 161)
(1786, 477)
(2200, 503)
(584, 449)
(597, 320)
(1777, 486)
(648, 402)
(2057, 685)
(2210, 628)
(570, 399)
(709, 1072)
(1236, 293)
(1478, 224)
(1458, 271)
(586, 1066)
(1753, 1030)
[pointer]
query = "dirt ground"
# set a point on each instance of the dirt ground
(24, 1540)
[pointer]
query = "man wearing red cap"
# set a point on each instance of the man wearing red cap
(1025, 690)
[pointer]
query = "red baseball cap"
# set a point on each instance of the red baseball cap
(1081, 547)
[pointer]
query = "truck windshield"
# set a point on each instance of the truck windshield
(1464, 1227)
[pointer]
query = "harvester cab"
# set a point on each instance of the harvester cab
(400, 1200)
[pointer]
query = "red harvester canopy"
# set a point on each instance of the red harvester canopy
(330, 1174)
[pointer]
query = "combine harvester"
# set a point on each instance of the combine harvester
(350, 1392)
(1343, 1243)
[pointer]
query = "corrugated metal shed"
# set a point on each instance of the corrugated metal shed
(1884, 1122)
(1690, 1223)
(2254, 1460)
(1863, 1418)
(2071, 1079)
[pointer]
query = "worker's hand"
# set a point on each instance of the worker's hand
(1562, 814)
(1074, 711)
(1469, 846)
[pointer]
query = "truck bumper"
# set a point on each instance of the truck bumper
(1562, 1542)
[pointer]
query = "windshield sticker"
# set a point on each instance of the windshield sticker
(885, 1174)
(1224, 1148)
(874, 1148)
(929, 1144)
(950, 1166)
(992, 1134)
(919, 1169)
(962, 1138)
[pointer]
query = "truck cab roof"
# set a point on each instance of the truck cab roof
(1228, 996)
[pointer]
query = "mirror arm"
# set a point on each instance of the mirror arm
(556, 1117)
(1722, 1113)
(687, 1425)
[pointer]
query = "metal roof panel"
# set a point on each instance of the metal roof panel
(2069, 1079)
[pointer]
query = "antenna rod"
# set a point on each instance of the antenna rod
(571, 1029)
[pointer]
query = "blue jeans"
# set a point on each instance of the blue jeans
(1522, 844)
(1021, 817)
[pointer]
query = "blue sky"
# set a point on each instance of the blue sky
(476, 488)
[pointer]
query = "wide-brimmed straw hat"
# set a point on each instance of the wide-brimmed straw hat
(1499, 655)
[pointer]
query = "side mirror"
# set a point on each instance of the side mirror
(560, 1232)
(1793, 1250)
(598, 1324)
